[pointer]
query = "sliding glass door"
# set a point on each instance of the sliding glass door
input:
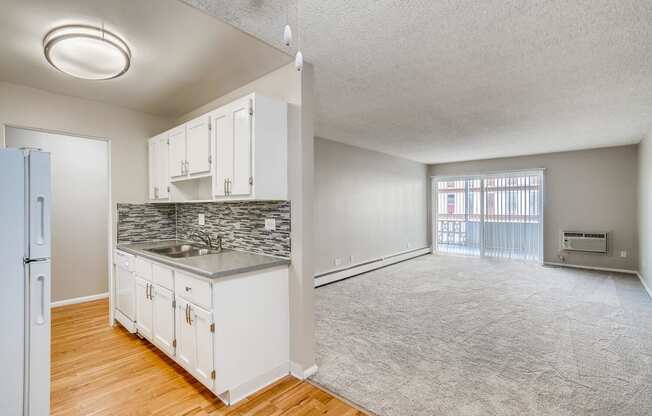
(497, 215)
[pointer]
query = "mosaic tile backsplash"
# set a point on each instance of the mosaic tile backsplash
(240, 224)
(146, 222)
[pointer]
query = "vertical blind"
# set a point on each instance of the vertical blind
(498, 215)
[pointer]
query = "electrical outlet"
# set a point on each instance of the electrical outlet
(201, 219)
(270, 224)
(337, 262)
(623, 254)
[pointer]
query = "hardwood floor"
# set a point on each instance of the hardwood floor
(103, 370)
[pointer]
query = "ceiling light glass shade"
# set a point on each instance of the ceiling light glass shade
(86, 52)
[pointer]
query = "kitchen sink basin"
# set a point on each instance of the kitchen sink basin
(183, 250)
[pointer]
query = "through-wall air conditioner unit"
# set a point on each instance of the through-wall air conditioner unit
(593, 242)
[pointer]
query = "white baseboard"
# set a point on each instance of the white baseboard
(233, 396)
(297, 371)
(336, 275)
(600, 269)
(647, 288)
(79, 300)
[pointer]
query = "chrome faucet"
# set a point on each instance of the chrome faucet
(207, 240)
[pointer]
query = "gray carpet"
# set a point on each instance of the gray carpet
(457, 336)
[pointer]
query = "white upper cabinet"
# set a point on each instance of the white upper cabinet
(250, 137)
(158, 168)
(236, 152)
(177, 140)
(199, 146)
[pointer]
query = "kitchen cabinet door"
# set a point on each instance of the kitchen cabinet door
(163, 325)
(199, 145)
(162, 174)
(186, 340)
(153, 167)
(177, 157)
(202, 321)
(144, 310)
(241, 117)
(222, 128)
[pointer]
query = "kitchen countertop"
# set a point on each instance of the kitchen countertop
(212, 266)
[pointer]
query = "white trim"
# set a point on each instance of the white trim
(297, 371)
(336, 275)
(236, 394)
(647, 288)
(81, 299)
(600, 269)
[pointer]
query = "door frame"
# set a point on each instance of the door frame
(483, 176)
(109, 222)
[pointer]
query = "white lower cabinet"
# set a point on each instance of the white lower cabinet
(231, 334)
(164, 324)
(144, 309)
(195, 341)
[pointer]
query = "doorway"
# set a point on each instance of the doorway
(80, 211)
(495, 215)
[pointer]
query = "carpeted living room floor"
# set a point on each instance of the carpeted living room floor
(444, 335)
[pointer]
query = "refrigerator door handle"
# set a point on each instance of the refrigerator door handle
(40, 317)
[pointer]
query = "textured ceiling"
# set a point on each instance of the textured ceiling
(448, 80)
(182, 58)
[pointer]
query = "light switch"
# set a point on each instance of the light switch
(270, 224)
(201, 219)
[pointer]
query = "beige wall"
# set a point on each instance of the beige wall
(645, 209)
(367, 205)
(584, 190)
(127, 130)
(294, 87)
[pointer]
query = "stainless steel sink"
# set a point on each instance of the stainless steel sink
(183, 250)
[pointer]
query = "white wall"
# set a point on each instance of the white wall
(645, 209)
(585, 190)
(367, 205)
(80, 210)
(127, 131)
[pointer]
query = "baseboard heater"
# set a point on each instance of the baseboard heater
(369, 265)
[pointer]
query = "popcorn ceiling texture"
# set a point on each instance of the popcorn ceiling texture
(442, 81)
(240, 224)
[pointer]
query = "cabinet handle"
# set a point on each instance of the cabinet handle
(188, 288)
(187, 166)
(146, 290)
(189, 314)
(225, 190)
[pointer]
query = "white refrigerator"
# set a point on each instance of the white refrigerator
(24, 282)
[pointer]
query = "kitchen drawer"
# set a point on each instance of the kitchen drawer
(143, 268)
(123, 260)
(193, 290)
(162, 276)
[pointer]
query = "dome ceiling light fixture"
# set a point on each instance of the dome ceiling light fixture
(87, 52)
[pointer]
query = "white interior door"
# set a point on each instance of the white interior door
(199, 146)
(177, 139)
(242, 137)
(164, 319)
(144, 310)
